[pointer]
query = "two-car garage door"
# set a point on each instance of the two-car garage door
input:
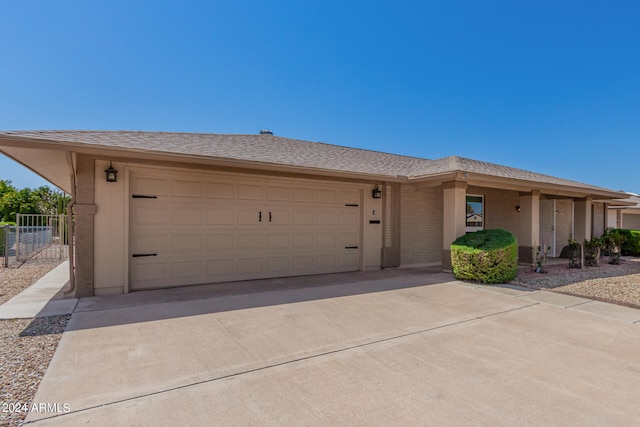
(198, 228)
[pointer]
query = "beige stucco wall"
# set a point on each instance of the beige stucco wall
(421, 223)
(599, 219)
(371, 232)
(110, 249)
(631, 221)
(564, 221)
(499, 208)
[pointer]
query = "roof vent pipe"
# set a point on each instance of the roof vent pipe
(266, 132)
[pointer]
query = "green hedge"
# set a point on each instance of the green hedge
(487, 256)
(631, 244)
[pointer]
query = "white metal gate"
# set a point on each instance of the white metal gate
(41, 236)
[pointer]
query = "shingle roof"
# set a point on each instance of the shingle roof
(255, 148)
(269, 149)
(455, 163)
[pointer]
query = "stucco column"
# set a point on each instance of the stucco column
(618, 218)
(455, 211)
(83, 213)
(529, 236)
(582, 219)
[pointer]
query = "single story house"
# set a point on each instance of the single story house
(625, 213)
(187, 208)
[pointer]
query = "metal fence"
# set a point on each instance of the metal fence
(7, 245)
(41, 236)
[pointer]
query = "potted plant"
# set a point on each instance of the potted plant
(592, 250)
(613, 241)
(575, 254)
(541, 258)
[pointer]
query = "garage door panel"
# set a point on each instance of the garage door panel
(186, 216)
(327, 261)
(220, 242)
(149, 215)
(302, 195)
(208, 229)
(326, 196)
(186, 270)
(150, 186)
(348, 217)
(349, 197)
(302, 263)
(326, 240)
(278, 216)
(250, 216)
(188, 243)
(180, 188)
(302, 216)
(220, 190)
(278, 241)
(348, 260)
(150, 243)
(220, 216)
(250, 241)
(250, 265)
(250, 192)
(326, 217)
(278, 264)
(149, 274)
(348, 239)
(301, 241)
(220, 267)
(275, 194)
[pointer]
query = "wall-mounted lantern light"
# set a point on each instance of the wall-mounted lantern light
(376, 193)
(112, 174)
(518, 208)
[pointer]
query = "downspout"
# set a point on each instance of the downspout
(72, 276)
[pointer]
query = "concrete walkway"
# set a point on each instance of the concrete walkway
(403, 347)
(43, 298)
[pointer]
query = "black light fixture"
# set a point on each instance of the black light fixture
(376, 193)
(518, 208)
(112, 174)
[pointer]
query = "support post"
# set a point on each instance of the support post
(455, 209)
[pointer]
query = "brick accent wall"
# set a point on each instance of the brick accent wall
(421, 223)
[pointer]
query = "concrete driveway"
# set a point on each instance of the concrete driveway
(408, 347)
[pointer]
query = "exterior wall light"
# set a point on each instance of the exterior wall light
(376, 193)
(112, 174)
(518, 208)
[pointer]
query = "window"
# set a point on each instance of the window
(475, 213)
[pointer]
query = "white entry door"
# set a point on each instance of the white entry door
(190, 229)
(548, 225)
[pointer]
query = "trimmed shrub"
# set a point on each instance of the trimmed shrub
(487, 256)
(631, 244)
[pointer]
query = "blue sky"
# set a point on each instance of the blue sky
(547, 86)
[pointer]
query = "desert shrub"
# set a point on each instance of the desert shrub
(487, 256)
(631, 244)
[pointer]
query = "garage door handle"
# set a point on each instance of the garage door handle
(141, 255)
(140, 196)
(351, 247)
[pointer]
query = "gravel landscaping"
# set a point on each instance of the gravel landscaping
(618, 284)
(26, 345)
